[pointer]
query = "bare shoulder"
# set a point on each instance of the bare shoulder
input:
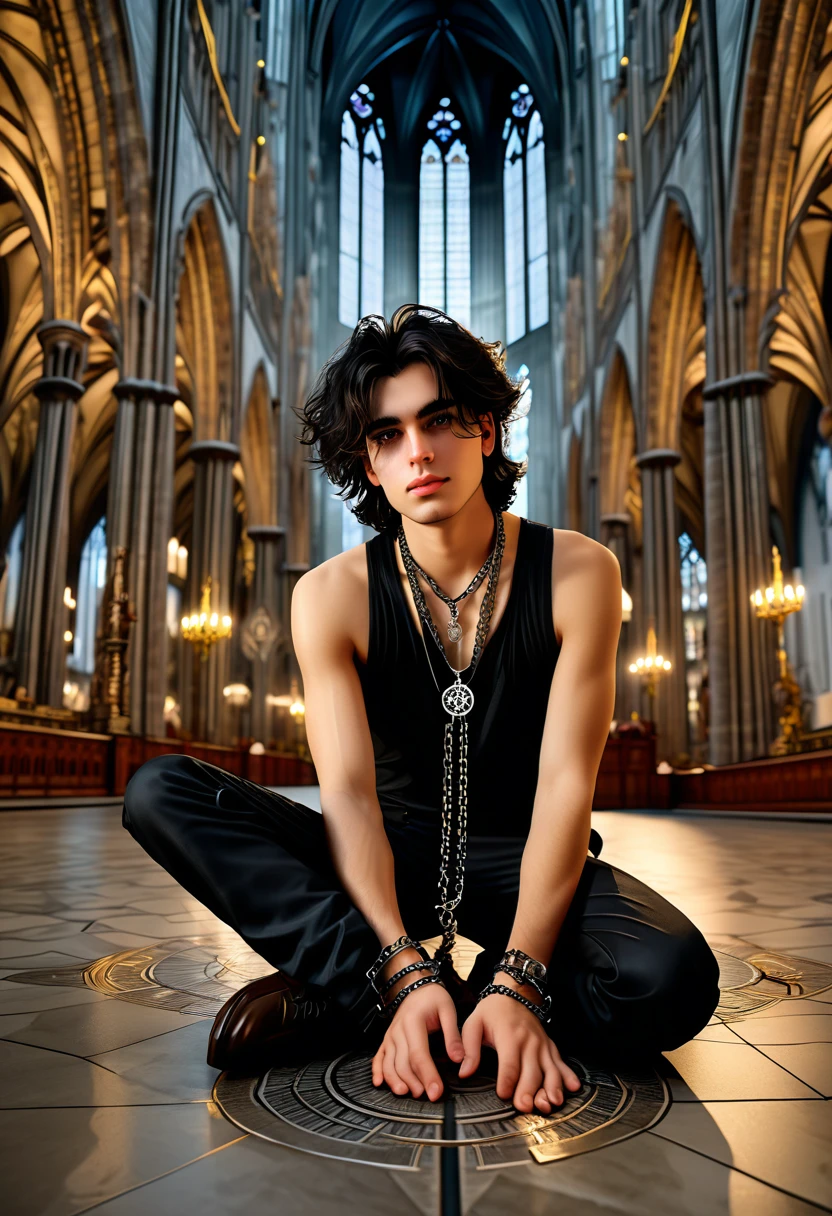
(586, 582)
(331, 599)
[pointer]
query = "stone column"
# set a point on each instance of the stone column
(615, 534)
(662, 583)
(211, 553)
(139, 517)
(41, 619)
(265, 621)
(741, 650)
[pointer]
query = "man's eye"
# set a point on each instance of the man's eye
(385, 436)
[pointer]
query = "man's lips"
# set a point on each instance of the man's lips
(427, 487)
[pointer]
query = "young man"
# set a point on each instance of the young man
(459, 675)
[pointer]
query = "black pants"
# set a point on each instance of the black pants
(630, 972)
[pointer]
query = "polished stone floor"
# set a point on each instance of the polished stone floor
(107, 1102)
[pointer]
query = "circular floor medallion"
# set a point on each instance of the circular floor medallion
(751, 978)
(331, 1108)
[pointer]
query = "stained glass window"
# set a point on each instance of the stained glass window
(519, 439)
(445, 217)
(525, 225)
(694, 574)
(10, 581)
(361, 219)
(92, 576)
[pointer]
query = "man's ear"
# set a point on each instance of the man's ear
(368, 469)
(489, 434)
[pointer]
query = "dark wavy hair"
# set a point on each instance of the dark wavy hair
(469, 371)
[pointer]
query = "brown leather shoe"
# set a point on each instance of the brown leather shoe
(267, 1016)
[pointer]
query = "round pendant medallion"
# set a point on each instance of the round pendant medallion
(457, 700)
(454, 631)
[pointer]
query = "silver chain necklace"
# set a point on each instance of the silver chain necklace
(457, 701)
(454, 627)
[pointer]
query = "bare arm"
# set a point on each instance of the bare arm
(341, 746)
(578, 716)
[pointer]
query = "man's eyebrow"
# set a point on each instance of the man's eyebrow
(433, 407)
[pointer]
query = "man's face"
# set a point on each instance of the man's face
(414, 436)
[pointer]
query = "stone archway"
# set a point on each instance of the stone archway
(619, 492)
(675, 374)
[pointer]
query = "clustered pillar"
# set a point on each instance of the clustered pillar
(41, 617)
(211, 554)
(741, 649)
(269, 614)
(139, 512)
(663, 594)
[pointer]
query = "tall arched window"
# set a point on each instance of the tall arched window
(445, 218)
(519, 439)
(524, 218)
(694, 576)
(361, 225)
(612, 35)
(10, 582)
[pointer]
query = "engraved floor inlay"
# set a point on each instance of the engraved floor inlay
(752, 978)
(331, 1108)
(187, 975)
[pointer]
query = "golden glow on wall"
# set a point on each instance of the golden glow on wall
(211, 46)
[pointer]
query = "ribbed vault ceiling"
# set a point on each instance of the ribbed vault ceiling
(443, 45)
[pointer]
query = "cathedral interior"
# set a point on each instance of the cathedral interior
(199, 199)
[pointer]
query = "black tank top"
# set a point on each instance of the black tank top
(510, 685)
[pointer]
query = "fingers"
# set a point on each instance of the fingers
(472, 1044)
(450, 1029)
(531, 1074)
(391, 1075)
(377, 1066)
(552, 1086)
(508, 1067)
(422, 1061)
(405, 1070)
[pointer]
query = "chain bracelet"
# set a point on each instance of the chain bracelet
(520, 977)
(541, 1012)
(430, 965)
(391, 1008)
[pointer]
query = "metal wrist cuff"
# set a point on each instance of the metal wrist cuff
(532, 968)
(520, 976)
(541, 1012)
(402, 943)
(390, 1009)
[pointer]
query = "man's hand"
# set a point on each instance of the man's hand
(531, 1072)
(403, 1060)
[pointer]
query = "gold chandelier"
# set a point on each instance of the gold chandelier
(651, 666)
(774, 604)
(205, 627)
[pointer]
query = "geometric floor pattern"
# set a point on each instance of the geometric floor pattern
(110, 973)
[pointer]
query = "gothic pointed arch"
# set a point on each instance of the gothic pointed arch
(258, 455)
(676, 332)
(205, 326)
(788, 39)
(618, 439)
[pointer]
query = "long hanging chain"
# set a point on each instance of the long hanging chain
(457, 701)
